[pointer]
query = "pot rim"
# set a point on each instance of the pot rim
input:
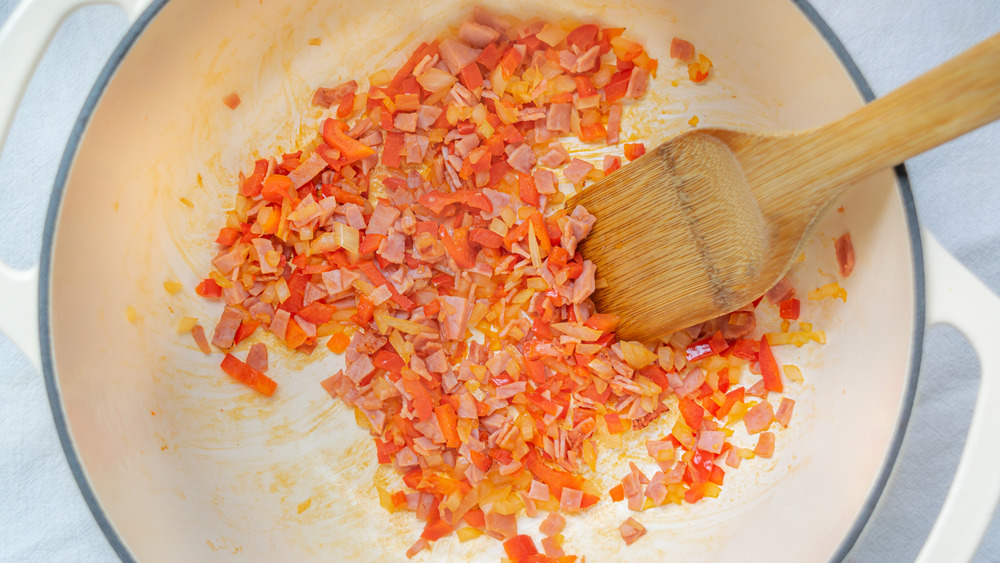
(122, 50)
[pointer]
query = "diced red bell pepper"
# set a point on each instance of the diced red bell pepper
(457, 246)
(471, 77)
(436, 530)
(490, 57)
(692, 412)
(246, 328)
(208, 288)
(634, 150)
(584, 37)
(366, 310)
(317, 313)
(769, 368)
(245, 374)
(392, 149)
(351, 150)
(527, 190)
(510, 61)
(486, 238)
(252, 185)
(346, 106)
(789, 309)
(228, 236)
(277, 187)
(519, 547)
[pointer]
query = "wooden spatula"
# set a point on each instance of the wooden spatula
(709, 221)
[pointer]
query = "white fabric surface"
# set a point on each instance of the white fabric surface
(44, 518)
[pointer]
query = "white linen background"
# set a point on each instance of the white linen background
(43, 516)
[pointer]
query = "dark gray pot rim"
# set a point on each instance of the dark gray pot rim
(45, 271)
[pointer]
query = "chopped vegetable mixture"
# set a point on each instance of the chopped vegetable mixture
(423, 235)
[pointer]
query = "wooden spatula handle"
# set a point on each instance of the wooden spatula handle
(950, 100)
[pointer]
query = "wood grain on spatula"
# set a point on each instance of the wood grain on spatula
(707, 222)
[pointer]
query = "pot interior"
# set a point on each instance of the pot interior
(188, 465)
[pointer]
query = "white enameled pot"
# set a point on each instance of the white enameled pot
(178, 463)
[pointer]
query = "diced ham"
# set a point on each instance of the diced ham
(637, 83)
(845, 254)
(570, 500)
(257, 357)
(372, 138)
(406, 121)
(711, 440)
(577, 170)
(497, 364)
(733, 458)
(279, 324)
(567, 60)
(415, 147)
(633, 491)
(730, 331)
(338, 281)
(467, 407)
(555, 157)
(576, 228)
(781, 291)
(784, 414)
(355, 219)
(759, 417)
(437, 362)
(545, 181)
(235, 294)
(587, 61)
(511, 389)
(477, 34)
(359, 369)
(631, 530)
(225, 331)
(262, 312)
(231, 260)
(457, 312)
(326, 97)
(758, 390)
(465, 144)
(263, 246)
(481, 15)
(307, 170)
(427, 115)
(681, 49)
(614, 123)
(366, 344)
(393, 247)
(656, 490)
(554, 522)
(585, 284)
(765, 445)
(521, 158)
(552, 547)
(558, 117)
(531, 114)
(504, 525)
(540, 491)
(457, 55)
(661, 450)
(498, 200)
(382, 219)
(693, 381)
(314, 292)
(198, 332)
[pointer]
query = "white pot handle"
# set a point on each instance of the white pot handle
(958, 298)
(23, 39)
